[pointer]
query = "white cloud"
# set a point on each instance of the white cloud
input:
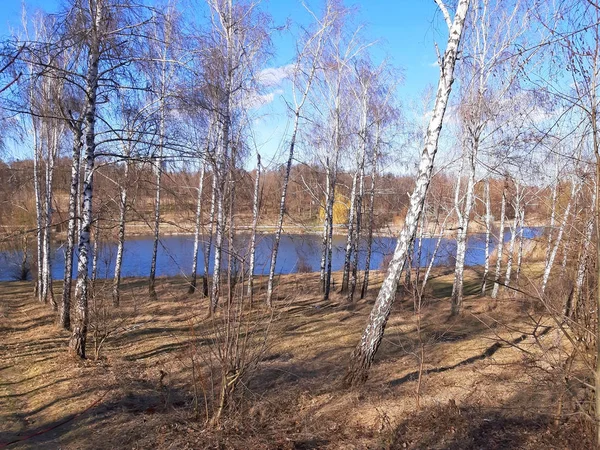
(255, 100)
(273, 76)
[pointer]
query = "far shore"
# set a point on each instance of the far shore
(184, 228)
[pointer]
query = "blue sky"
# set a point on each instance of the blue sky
(405, 31)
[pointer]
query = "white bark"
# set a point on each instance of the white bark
(96, 250)
(255, 211)
(325, 235)
(513, 234)
(488, 232)
(116, 292)
(156, 222)
(552, 215)
(65, 306)
(350, 233)
(209, 241)
(79, 335)
(364, 353)
(197, 229)
(358, 199)
(521, 243)
(548, 269)
(582, 263)
(463, 211)
(299, 105)
(500, 248)
(365, 284)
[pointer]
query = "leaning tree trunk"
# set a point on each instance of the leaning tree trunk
(116, 288)
(79, 334)
(197, 228)
(255, 210)
(363, 355)
(500, 245)
(65, 305)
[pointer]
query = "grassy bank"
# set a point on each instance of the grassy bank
(474, 381)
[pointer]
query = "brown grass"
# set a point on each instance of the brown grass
(481, 388)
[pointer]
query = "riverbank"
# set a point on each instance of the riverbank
(475, 389)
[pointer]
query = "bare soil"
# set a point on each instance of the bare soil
(485, 379)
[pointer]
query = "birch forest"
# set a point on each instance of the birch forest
(239, 224)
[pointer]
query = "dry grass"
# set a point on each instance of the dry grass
(482, 385)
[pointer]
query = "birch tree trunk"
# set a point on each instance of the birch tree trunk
(500, 245)
(548, 269)
(513, 235)
(325, 236)
(330, 206)
(356, 240)
(363, 355)
(79, 335)
(156, 228)
(464, 212)
(552, 215)
(288, 166)
(356, 200)
(365, 284)
(52, 152)
(95, 251)
(116, 288)
(582, 264)
(521, 243)
(219, 227)
(208, 246)
(65, 305)
(38, 213)
(255, 210)
(197, 229)
(350, 233)
(488, 232)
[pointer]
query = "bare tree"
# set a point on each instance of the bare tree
(363, 355)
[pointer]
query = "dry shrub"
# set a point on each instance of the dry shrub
(225, 351)
(302, 266)
(105, 320)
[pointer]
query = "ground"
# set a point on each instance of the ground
(485, 380)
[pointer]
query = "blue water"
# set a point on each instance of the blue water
(296, 252)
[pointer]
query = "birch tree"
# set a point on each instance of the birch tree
(307, 63)
(363, 355)
(103, 53)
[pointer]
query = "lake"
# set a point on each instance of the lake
(295, 251)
